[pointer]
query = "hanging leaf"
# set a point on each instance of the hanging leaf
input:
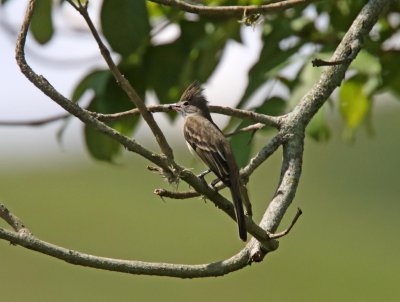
(354, 104)
(42, 23)
(318, 129)
(110, 98)
(125, 24)
(96, 80)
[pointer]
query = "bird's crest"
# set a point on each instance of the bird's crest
(194, 92)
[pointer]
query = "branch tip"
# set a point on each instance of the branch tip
(285, 232)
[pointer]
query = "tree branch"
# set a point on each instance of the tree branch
(36, 122)
(124, 83)
(294, 123)
(273, 121)
(291, 136)
(11, 219)
(232, 11)
(168, 165)
(27, 240)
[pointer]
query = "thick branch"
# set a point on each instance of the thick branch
(344, 53)
(232, 11)
(27, 240)
(219, 268)
(294, 123)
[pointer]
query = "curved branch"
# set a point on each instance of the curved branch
(219, 268)
(294, 123)
(232, 11)
(24, 238)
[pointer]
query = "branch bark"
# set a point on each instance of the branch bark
(232, 11)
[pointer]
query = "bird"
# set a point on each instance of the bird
(207, 141)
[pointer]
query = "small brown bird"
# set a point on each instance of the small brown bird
(207, 141)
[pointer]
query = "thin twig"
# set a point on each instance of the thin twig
(253, 128)
(176, 195)
(285, 232)
(244, 114)
(319, 62)
(11, 219)
(232, 11)
(263, 155)
(36, 122)
(273, 121)
(268, 120)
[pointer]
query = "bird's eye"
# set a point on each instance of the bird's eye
(185, 103)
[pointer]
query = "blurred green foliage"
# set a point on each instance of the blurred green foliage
(345, 247)
(131, 28)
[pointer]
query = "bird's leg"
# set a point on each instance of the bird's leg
(214, 183)
(203, 174)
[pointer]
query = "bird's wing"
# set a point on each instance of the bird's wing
(209, 144)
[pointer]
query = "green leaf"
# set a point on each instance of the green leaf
(125, 24)
(241, 146)
(318, 128)
(366, 63)
(242, 142)
(100, 146)
(164, 66)
(272, 106)
(95, 80)
(353, 103)
(272, 58)
(391, 72)
(111, 99)
(42, 23)
(194, 55)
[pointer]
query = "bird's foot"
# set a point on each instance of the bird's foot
(203, 174)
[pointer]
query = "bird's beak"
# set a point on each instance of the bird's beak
(175, 106)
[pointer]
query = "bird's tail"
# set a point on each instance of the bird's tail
(238, 203)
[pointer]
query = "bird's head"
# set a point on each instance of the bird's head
(192, 102)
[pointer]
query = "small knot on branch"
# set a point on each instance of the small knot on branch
(168, 175)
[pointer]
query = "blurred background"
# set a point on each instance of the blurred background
(344, 247)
